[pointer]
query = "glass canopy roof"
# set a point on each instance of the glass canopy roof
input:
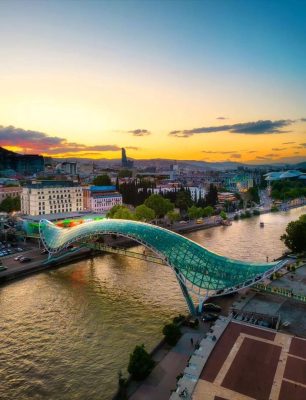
(196, 264)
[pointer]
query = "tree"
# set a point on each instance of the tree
(208, 211)
(140, 364)
(122, 388)
(172, 334)
(295, 236)
(120, 212)
(195, 212)
(183, 200)
(10, 204)
(124, 213)
(112, 211)
(253, 193)
(212, 195)
(102, 180)
(125, 173)
(173, 216)
(144, 213)
(223, 215)
(160, 205)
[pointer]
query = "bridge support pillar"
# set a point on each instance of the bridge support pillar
(201, 303)
(187, 296)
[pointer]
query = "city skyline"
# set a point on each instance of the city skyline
(176, 80)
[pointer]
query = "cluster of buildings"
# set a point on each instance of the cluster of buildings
(53, 197)
(23, 164)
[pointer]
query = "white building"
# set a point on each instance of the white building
(101, 198)
(51, 197)
(196, 192)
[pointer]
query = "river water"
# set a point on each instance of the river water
(65, 334)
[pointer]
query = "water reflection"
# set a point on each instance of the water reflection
(65, 334)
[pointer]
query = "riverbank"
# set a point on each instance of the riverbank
(77, 325)
(15, 270)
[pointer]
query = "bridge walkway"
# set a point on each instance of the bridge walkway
(124, 252)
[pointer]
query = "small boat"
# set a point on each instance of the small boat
(262, 224)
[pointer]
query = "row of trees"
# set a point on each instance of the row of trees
(156, 207)
(288, 189)
(137, 191)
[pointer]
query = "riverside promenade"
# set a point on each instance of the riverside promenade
(170, 364)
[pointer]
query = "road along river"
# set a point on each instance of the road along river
(65, 334)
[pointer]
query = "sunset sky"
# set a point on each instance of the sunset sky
(202, 80)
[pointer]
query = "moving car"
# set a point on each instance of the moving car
(25, 259)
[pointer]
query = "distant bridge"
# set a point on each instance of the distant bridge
(200, 272)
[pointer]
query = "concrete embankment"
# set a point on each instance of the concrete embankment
(22, 270)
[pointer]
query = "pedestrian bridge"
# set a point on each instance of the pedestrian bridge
(200, 272)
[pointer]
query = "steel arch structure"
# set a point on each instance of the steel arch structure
(199, 271)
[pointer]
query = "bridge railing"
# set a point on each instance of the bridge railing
(124, 252)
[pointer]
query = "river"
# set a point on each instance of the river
(65, 334)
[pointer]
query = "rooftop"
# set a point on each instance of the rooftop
(275, 176)
(102, 188)
(60, 216)
(51, 183)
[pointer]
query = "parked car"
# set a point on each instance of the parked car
(210, 317)
(17, 258)
(211, 307)
(44, 251)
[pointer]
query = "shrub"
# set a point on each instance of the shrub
(248, 214)
(177, 320)
(172, 334)
(256, 212)
(140, 364)
(236, 217)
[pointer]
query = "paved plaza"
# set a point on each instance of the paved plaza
(162, 379)
(251, 363)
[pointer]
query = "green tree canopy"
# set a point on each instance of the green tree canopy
(195, 212)
(102, 180)
(125, 173)
(183, 200)
(254, 195)
(144, 213)
(287, 189)
(10, 204)
(223, 215)
(120, 212)
(295, 236)
(173, 216)
(208, 211)
(140, 364)
(172, 334)
(212, 195)
(159, 204)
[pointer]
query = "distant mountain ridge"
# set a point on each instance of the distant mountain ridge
(201, 165)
